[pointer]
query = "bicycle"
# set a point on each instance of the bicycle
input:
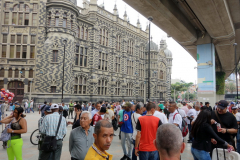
(36, 136)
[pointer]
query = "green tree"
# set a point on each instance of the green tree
(179, 86)
(230, 87)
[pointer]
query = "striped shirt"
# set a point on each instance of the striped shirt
(50, 123)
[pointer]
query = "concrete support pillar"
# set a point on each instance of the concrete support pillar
(206, 73)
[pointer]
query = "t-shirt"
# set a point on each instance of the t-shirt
(182, 112)
(118, 108)
(191, 113)
(229, 121)
(148, 126)
(96, 118)
(161, 116)
(127, 122)
(185, 108)
(135, 117)
(108, 115)
(176, 120)
(238, 118)
(121, 115)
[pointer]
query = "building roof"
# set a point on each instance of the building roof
(73, 1)
(153, 46)
(168, 53)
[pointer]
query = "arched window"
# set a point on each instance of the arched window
(102, 87)
(30, 73)
(130, 47)
(2, 72)
(15, 7)
(118, 43)
(161, 74)
(103, 37)
(86, 34)
(129, 89)
(26, 8)
(82, 32)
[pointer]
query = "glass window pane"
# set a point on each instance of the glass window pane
(18, 51)
(20, 18)
(4, 38)
(34, 19)
(11, 51)
(35, 7)
(19, 38)
(21, 6)
(86, 51)
(76, 59)
(12, 38)
(33, 38)
(32, 54)
(81, 50)
(81, 59)
(4, 50)
(85, 61)
(14, 19)
(25, 39)
(6, 18)
(26, 21)
(64, 22)
(24, 52)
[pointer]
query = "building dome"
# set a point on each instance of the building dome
(153, 46)
(73, 1)
(168, 53)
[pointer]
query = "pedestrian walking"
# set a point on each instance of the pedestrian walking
(41, 109)
(158, 113)
(146, 134)
(49, 128)
(70, 111)
(18, 127)
(65, 110)
(103, 136)
(26, 106)
(98, 116)
(81, 138)
(31, 107)
(76, 120)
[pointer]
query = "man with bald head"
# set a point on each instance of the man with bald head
(169, 147)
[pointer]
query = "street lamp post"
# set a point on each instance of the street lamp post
(149, 71)
(64, 41)
(235, 44)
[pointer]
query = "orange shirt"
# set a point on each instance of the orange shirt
(149, 126)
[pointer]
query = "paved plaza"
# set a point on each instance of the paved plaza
(30, 152)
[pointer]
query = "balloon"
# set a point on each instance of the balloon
(6, 95)
(11, 94)
(1, 95)
(10, 99)
(3, 90)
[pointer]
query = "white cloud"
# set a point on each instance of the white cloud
(183, 63)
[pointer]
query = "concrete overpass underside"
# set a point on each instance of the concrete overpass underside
(195, 22)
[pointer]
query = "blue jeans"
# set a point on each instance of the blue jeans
(31, 109)
(148, 155)
(127, 136)
(134, 157)
(238, 141)
(200, 154)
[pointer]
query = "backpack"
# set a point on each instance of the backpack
(115, 124)
(184, 127)
(6, 136)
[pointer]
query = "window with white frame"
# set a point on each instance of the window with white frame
(103, 61)
(80, 86)
(129, 89)
(117, 64)
(57, 19)
(103, 37)
(130, 47)
(102, 87)
(130, 67)
(117, 89)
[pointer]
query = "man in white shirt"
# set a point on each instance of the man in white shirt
(90, 107)
(31, 106)
(134, 118)
(174, 117)
(26, 106)
(159, 114)
(190, 116)
(180, 111)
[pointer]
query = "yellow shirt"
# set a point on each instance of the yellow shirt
(95, 154)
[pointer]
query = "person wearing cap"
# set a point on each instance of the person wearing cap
(49, 128)
(234, 110)
(208, 106)
(181, 111)
(190, 116)
(42, 108)
(227, 121)
(98, 116)
(159, 114)
(47, 111)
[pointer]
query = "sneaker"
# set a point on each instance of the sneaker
(128, 158)
(124, 157)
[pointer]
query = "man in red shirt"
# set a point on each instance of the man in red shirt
(97, 117)
(146, 134)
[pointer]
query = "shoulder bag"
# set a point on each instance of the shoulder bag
(49, 143)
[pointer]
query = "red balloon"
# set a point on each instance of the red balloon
(11, 94)
(6, 95)
(10, 99)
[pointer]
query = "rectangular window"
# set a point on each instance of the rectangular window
(76, 59)
(56, 22)
(21, 6)
(20, 18)
(49, 21)
(24, 52)
(86, 51)
(33, 38)
(10, 73)
(81, 50)
(34, 23)
(16, 73)
(11, 51)
(77, 49)
(4, 51)
(30, 73)
(64, 22)
(55, 56)
(53, 89)
(12, 38)
(25, 39)
(18, 51)
(26, 21)
(4, 38)
(19, 39)
(35, 7)
(81, 59)
(7, 6)
(32, 54)
(14, 19)
(85, 61)
(6, 18)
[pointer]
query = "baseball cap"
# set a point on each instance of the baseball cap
(222, 104)
(103, 109)
(127, 104)
(161, 106)
(234, 107)
(47, 109)
(232, 103)
(54, 106)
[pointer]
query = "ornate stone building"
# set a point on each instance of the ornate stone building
(105, 56)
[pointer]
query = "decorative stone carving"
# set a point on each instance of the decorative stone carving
(34, 30)
(5, 29)
(18, 30)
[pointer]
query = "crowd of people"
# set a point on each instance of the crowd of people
(148, 131)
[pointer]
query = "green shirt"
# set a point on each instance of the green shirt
(121, 115)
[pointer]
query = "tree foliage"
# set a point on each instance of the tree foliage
(180, 86)
(230, 87)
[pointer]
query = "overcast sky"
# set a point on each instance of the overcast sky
(183, 63)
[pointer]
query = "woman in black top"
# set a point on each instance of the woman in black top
(202, 133)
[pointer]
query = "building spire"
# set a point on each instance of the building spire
(125, 14)
(115, 10)
(138, 22)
